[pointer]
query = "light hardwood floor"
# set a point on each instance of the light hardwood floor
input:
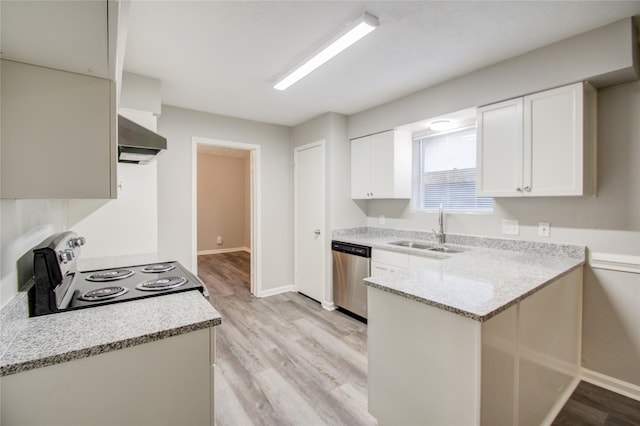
(282, 360)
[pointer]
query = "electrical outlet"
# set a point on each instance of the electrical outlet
(510, 227)
(543, 229)
(382, 219)
(219, 240)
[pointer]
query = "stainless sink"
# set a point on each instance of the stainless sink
(426, 246)
(445, 249)
(412, 244)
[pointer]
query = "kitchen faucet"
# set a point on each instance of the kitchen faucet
(440, 235)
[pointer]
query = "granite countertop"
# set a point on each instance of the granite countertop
(28, 343)
(477, 283)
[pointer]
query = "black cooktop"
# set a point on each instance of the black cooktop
(105, 286)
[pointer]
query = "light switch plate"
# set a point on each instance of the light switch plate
(510, 227)
(543, 229)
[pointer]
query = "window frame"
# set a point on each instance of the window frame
(416, 138)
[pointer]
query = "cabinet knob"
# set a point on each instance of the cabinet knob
(527, 188)
(519, 189)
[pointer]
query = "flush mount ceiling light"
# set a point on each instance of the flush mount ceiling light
(345, 38)
(440, 125)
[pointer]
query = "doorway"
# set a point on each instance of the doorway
(231, 196)
(309, 219)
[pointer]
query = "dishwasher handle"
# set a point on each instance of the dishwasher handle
(354, 249)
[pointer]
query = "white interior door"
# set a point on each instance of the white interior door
(310, 239)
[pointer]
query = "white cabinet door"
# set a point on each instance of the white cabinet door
(385, 262)
(538, 145)
(381, 166)
(499, 149)
(380, 269)
(165, 383)
(56, 123)
(361, 167)
(394, 259)
(553, 142)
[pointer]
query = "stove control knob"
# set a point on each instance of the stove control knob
(77, 242)
(66, 256)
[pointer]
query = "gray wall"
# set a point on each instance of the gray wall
(175, 178)
(605, 56)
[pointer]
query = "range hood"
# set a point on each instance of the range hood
(136, 144)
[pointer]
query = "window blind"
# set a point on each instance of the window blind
(444, 172)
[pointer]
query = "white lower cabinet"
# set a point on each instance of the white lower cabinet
(164, 382)
(385, 262)
(379, 269)
(428, 366)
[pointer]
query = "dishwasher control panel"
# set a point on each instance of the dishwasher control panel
(355, 249)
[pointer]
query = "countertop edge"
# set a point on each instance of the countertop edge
(19, 367)
(424, 301)
(470, 315)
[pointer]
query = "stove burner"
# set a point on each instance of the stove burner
(162, 284)
(112, 275)
(158, 267)
(103, 293)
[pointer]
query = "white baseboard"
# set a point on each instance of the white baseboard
(277, 290)
(224, 250)
(611, 383)
(560, 402)
(329, 306)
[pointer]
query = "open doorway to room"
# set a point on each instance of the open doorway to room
(225, 222)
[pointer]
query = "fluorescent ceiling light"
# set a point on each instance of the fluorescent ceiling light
(352, 33)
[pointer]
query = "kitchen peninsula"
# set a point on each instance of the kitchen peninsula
(490, 335)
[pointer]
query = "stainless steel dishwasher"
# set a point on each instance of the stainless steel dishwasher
(351, 265)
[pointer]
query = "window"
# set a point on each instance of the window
(444, 172)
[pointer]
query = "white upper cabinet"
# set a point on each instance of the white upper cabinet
(381, 166)
(58, 134)
(500, 147)
(538, 145)
(74, 36)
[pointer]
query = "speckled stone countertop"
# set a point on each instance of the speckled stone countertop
(477, 283)
(29, 343)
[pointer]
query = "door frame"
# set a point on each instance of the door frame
(255, 208)
(323, 236)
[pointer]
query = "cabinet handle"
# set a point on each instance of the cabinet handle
(519, 189)
(527, 188)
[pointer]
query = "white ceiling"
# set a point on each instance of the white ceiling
(222, 57)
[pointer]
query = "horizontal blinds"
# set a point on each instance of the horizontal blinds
(444, 172)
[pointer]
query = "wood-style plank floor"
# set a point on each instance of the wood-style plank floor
(283, 360)
(591, 405)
